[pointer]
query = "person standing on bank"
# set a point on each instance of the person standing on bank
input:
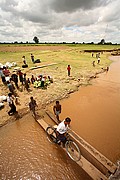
(57, 110)
(14, 77)
(68, 68)
(32, 106)
(2, 76)
(11, 104)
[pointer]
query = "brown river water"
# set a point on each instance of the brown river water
(25, 152)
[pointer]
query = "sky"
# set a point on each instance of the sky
(60, 20)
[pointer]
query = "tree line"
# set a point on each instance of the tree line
(36, 41)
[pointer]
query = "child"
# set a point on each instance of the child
(57, 110)
(68, 68)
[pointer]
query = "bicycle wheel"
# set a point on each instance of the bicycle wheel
(73, 150)
(51, 134)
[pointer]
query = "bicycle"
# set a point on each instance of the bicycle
(71, 147)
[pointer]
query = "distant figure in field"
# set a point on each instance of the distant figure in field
(68, 68)
(57, 110)
(92, 54)
(24, 60)
(98, 60)
(32, 58)
(93, 63)
(32, 106)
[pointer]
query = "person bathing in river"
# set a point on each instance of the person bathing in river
(57, 110)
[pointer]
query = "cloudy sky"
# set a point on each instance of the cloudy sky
(60, 20)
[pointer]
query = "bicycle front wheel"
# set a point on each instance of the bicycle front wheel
(51, 134)
(73, 150)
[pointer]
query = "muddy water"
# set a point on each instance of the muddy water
(25, 152)
(95, 112)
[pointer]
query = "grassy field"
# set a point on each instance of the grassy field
(61, 54)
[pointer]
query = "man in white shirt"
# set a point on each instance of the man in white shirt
(62, 129)
(11, 104)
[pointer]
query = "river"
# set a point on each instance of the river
(95, 112)
(25, 152)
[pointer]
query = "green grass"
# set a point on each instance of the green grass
(72, 55)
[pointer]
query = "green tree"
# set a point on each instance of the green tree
(102, 41)
(36, 40)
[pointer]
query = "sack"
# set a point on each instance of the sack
(24, 66)
(37, 61)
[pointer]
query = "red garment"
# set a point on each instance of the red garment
(20, 73)
(6, 72)
(68, 68)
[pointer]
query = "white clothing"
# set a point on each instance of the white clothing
(1, 74)
(9, 100)
(7, 78)
(61, 128)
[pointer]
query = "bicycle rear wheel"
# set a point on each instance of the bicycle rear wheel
(51, 134)
(73, 150)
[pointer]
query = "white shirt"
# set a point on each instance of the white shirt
(9, 100)
(61, 128)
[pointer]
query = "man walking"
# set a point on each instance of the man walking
(32, 106)
(11, 104)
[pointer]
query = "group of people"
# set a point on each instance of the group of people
(15, 80)
(41, 81)
(24, 59)
(98, 59)
(32, 59)
(12, 82)
(63, 126)
(10, 100)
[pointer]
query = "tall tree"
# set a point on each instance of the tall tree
(36, 40)
(102, 41)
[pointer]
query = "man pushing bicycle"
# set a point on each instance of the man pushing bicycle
(62, 129)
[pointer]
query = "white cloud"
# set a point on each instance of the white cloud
(60, 20)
